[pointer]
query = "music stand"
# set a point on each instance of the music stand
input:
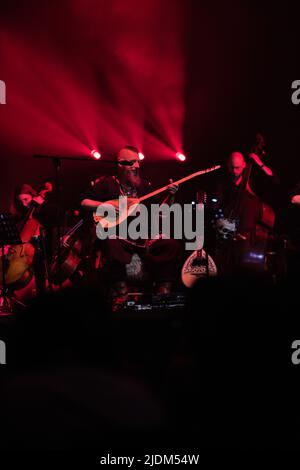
(9, 235)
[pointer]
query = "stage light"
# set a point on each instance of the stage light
(180, 156)
(141, 156)
(95, 154)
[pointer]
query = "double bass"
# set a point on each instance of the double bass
(253, 252)
(19, 258)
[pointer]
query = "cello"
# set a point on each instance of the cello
(65, 264)
(19, 258)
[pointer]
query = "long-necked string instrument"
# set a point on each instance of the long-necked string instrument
(133, 203)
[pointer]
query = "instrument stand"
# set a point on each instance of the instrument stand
(206, 264)
(57, 167)
(7, 302)
(6, 305)
(46, 264)
(201, 198)
(9, 235)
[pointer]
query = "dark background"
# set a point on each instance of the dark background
(164, 75)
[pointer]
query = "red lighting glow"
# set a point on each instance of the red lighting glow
(180, 156)
(106, 93)
(96, 154)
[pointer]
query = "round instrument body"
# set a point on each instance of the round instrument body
(195, 268)
(115, 214)
(18, 261)
(70, 258)
(18, 270)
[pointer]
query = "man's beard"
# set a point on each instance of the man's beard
(130, 177)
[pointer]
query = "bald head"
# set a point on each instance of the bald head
(128, 154)
(236, 165)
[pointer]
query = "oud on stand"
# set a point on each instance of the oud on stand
(199, 265)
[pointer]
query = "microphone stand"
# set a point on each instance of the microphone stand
(80, 159)
(57, 167)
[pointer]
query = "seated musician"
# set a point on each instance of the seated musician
(161, 255)
(25, 197)
(227, 198)
(34, 213)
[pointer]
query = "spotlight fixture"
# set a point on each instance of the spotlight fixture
(180, 156)
(95, 154)
(141, 156)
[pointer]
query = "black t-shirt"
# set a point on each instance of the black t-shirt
(225, 196)
(48, 214)
(267, 189)
(108, 187)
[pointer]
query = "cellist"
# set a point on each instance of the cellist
(35, 215)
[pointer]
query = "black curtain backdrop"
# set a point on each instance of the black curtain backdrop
(237, 63)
